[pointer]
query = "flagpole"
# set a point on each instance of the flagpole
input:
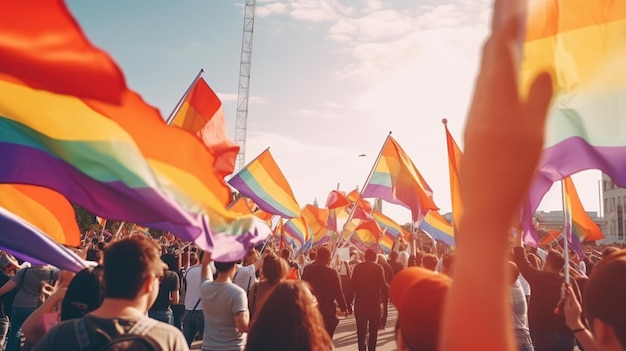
(169, 119)
(103, 226)
(369, 177)
(566, 233)
(119, 230)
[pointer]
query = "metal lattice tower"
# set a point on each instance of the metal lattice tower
(241, 126)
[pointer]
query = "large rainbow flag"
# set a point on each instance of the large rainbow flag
(263, 182)
(110, 153)
(44, 208)
(367, 235)
(582, 44)
(396, 180)
(202, 114)
(391, 228)
(316, 219)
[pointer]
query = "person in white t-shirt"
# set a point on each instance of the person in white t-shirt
(193, 319)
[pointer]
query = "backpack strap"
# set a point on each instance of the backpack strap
(196, 305)
(81, 333)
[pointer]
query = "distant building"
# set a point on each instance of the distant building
(554, 220)
(613, 202)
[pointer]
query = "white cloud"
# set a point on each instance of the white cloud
(276, 8)
(316, 114)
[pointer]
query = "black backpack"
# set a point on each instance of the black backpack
(135, 339)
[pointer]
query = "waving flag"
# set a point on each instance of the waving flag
(201, 113)
(391, 228)
(337, 199)
(316, 219)
(240, 206)
(263, 182)
(298, 231)
(386, 243)
(581, 225)
(438, 228)
(46, 209)
(582, 44)
(454, 161)
(123, 161)
(31, 244)
(396, 180)
(366, 235)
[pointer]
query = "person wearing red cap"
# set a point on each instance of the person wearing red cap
(419, 296)
(369, 289)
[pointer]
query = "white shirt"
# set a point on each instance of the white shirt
(192, 294)
(245, 277)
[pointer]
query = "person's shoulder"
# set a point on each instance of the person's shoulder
(60, 337)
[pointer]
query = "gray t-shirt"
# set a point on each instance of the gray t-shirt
(220, 303)
(63, 335)
(28, 282)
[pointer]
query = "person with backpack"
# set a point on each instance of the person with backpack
(132, 270)
(7, 267)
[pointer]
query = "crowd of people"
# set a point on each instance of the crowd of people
(165, 295)
(490, 294)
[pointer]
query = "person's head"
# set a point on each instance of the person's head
(94, 255)
(193, 259)
(289, 320)
(274, 268)
(224, 267)
(313, 255)
(419, 296)
(393, 256)
(554, 262)
(380, 259)
(8, 263)
(285, 253)
(403, 258)
(430, 261)
(133, 268)
(84, 293)
(603, 304)
(323, 256)
(370, 255)
(251, 256)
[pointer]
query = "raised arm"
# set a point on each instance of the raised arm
(503, 142)
(205, 272)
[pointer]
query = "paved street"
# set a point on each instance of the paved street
(345, 335)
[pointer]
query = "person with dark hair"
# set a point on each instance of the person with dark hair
(447, 262)
(327, 289)
(169, 295)
(430, 261)
(547, 329)
(368, 288)
(285, 253)
(288, 321)
(602, 325)
(225, 308)
(84, 294)
(273, 272)
(132, 270)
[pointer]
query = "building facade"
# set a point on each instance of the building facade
(613, 203)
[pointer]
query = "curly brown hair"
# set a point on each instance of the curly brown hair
(289, 320)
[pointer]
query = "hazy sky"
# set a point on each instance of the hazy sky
(329, 79)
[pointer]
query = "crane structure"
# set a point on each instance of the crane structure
(241, 124)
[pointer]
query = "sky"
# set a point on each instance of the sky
(329, 79)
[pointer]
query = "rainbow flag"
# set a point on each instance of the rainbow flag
(386, 243)
(125, 163)
(396, 180)
(26, 241)
(337, 199)
(201, 113)
(45, 209)
(577, 219)
(297, 232)
(316, 219)
(101, 220)
(263, 182)
(438, 228)
(391, 228)
(454, 162)
(582, 44)
(240, 205)
(366, 235)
